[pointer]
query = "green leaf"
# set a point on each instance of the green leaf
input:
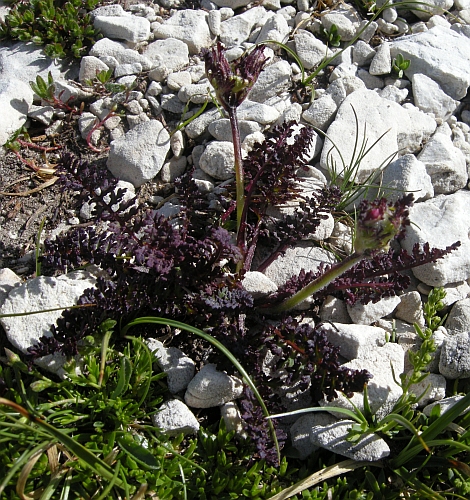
(125, 373)
(137, 452)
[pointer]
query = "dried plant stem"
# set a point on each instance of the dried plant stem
(319, 283)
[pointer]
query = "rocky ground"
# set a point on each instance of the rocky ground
(153, 49)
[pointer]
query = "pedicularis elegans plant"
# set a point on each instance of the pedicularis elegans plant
(189, 270)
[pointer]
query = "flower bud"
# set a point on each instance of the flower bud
(379, 222)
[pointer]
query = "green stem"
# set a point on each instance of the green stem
(319, 283)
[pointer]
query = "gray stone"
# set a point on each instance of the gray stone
(174, 418)
(455, 356)
(237, 29)
(218, 160)
(300, 432)
(166, 56)
(354, 341)
(430, 98)
(140, 154)
(407, 174)
(410, 308)
(15, 99)
(212, 388)
(222, 130)
(189, 26)
(310, 50)
(439, 222)
(444, 163)
(90, 66)
(272, 81)
(366, 314)
(179, 368)
(445, 404)
(258, 284)
(333, 437)
(440, 53)
(123, 55)
(39, 294)
(382, 62)
(432, 388)
(129, 28)
(458, 320)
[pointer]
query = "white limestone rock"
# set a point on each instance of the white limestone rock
(275, 28)
(16, 97)
(120, 52)
(382, 62)
(458, 320)
(455, 356)
(334, 310)
(430, 389)
(174, 418)
(300, 432)
(39, 294)
(432, 8)
(222, 131)
(445, 404)
(333, 437)
(439, 53)
(237, 29)
(366, 314)
(407, 174)
(321, 112)
(430, 98)
(129, 28)
(212, 388)
(444, 163)
(258, 284)
(272, 81)
(140, 154)
(410, 308)
(255, 111)
(346, 20)
(189, 26)
(382, 390)
(399, 127)
(439, 222)
(90, 66)
(305, 255)
(218, 160)
(310, 50)
(354, 341)
(179, 368)
(166, 56)
(8, 281)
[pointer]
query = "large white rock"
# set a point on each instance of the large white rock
(106, 48)
(382, 390)
(354, 341)
(39, 294)
(218, 160)
(15, 99)
(310, 50)
(212, 388)
(166, 56)
(430, 98)
(366, 314)
(140, 154)
(237, 29)
(174, 418)
(455, 356)
(189, 26)
(440, 53)
(458, 320)
(178, 367)
(129, 28)
(444, 163)
(440, 223)
(333, 437)
(399, 128)
(407, 174)
(272, 81)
